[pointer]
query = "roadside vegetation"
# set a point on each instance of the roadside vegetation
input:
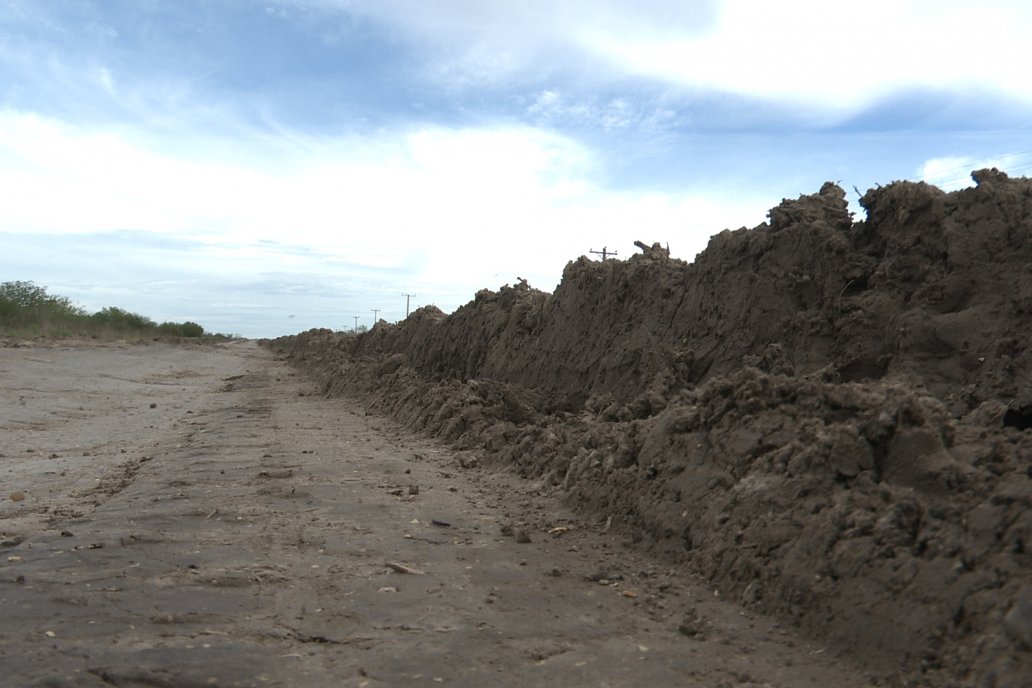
(27, 310)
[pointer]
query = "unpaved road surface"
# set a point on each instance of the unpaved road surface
(197, 516)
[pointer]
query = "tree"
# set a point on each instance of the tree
(26, 302)
(31, 295)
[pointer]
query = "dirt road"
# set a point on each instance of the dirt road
(197, 516)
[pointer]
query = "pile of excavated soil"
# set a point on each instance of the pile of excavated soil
(825, 418)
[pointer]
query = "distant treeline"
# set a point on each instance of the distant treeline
(27, 310)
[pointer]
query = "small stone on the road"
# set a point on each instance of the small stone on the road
(522, 536)
(17, 496)
(153, 405)
(467, 459)
(692, 625)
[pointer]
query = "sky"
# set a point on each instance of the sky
(264, 167)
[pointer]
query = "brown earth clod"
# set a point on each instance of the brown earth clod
(822, 417)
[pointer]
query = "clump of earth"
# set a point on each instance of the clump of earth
(825, 418)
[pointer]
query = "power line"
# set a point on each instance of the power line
(408, 297)
(1012, 171)
(605, 252)
(977, 164)
(946, 178)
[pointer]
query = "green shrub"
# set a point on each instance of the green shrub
(25, 303)
(192, 329)
(121, 319)
(185, 329)
(27, 310)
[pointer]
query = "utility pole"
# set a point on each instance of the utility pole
(605, 253)
(375, 311)
(356, 324)
(407, 297)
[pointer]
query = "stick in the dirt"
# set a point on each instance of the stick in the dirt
(401, 568)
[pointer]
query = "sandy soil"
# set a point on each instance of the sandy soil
(196, 516)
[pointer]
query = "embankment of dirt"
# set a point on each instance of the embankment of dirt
(825, 418)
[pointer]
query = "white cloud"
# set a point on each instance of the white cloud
(836, 55)
(948, 173)
(470, 43)
(954, 172)
(831, 57)
(522, 23)
(551, 107)
(459, 209)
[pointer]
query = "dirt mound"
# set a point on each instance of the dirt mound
(825, 418)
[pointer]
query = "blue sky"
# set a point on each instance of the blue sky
(266, 167)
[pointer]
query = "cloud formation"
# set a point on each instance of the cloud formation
(836, 56)
(350, 150)
(450, 210)
(832, 58)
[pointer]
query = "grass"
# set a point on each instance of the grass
(27, 311)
